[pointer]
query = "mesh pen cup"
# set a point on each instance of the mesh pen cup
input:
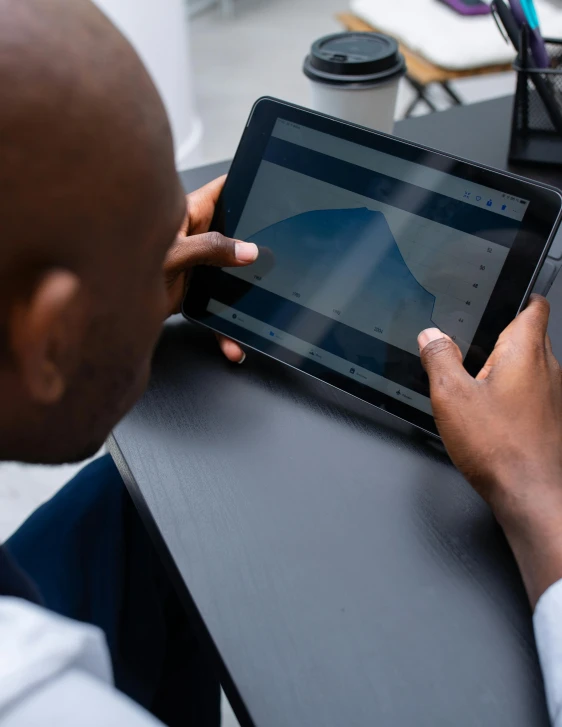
(536, 129)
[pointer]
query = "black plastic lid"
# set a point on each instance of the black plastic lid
(362, 59)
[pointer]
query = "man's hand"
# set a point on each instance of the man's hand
(195, 245)
(503, 430)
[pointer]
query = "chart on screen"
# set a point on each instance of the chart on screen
(369, 265)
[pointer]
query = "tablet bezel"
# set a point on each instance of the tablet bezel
(510, 293)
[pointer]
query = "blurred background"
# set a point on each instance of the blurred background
(213, 58)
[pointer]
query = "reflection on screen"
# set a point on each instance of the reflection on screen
(360, 251)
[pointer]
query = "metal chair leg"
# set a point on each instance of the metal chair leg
(452, 94)
(420, 89)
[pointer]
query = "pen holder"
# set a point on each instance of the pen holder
(536, 127)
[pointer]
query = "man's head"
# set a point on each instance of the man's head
(89, 204)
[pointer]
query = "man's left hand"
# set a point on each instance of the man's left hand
(195, 245)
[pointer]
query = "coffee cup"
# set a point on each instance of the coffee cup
(355, 77)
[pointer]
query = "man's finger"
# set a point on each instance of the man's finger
(442, 360)
(231, 349)
(530, 325)
(525, 336)
(201, 205)
(210, 248)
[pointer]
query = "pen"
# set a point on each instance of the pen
(524, 11)
(508, 21)
(518, 12)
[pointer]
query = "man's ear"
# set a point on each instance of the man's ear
(45, 335)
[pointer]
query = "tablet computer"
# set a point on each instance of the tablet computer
(365, 240)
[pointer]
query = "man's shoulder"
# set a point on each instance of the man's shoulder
(76, 699)
(37, 645)
(57, 671)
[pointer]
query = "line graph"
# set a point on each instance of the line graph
(327, 244)
(346, 264)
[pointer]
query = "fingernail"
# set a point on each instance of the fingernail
(246, 252)
(425, 337)
(242, 359)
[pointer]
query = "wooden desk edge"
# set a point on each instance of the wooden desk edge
(200, 629)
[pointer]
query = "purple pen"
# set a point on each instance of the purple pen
(518, 12)
(524, 12)
(538, 49)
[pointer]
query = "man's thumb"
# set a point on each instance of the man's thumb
(209, 248)
(442, 360)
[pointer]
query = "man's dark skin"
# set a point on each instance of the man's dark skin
(503, 430)
(91, 264)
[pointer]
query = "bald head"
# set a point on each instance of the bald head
(78, 115)
(87, 189)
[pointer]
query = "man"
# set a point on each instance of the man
(90, 265)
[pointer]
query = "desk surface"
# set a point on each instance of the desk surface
(341, 572)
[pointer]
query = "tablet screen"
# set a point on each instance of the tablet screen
(360, 251)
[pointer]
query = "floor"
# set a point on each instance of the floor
(257, 52)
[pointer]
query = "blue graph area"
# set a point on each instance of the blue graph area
(346, 259)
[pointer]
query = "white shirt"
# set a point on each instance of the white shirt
(57, 672)
(547, 621)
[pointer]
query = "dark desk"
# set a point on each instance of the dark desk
(340, 570)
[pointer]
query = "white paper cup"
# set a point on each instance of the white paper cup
(355, 76)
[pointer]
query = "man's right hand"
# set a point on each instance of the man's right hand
(503, 430)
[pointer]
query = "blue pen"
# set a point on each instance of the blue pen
(524, 11)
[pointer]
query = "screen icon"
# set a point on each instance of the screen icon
(351, 371)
